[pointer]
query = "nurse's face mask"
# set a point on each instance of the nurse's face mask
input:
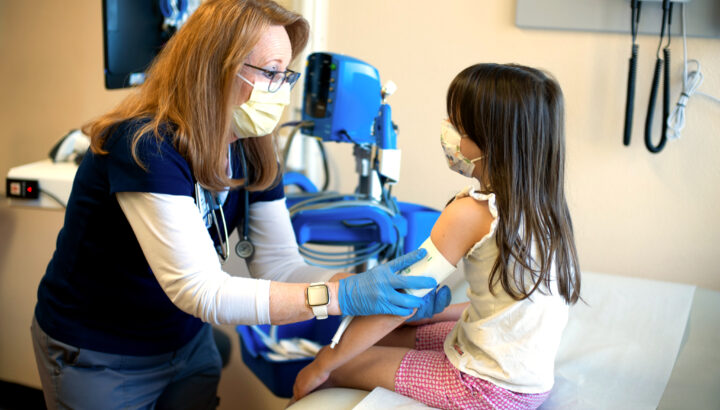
(259, 115)
(450, 139)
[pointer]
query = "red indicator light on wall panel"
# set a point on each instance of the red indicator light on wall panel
(22, 188)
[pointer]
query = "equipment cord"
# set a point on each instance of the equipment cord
(691, 82)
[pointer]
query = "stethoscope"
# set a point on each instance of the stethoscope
(244, 247)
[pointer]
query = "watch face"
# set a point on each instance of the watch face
(318, 295)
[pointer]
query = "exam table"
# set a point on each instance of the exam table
(634, 344)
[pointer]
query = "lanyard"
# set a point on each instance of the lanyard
(207, 200)
(209, 203)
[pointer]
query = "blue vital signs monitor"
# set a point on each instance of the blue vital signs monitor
(342, 98)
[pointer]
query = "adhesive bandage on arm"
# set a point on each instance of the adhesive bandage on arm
(434, 265)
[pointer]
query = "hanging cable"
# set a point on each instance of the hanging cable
(691, 81)
(297, 125)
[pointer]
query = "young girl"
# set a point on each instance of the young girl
(515, 238)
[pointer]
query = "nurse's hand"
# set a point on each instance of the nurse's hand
(376, 292)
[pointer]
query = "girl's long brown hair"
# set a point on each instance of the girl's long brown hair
(190, 86)
(515, 115)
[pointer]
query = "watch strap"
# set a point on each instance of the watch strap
(320, 312)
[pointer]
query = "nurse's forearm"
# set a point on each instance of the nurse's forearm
(288, 302)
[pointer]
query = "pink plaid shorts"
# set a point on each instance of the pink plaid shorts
(426, 375)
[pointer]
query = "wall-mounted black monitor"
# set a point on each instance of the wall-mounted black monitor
(133, 35)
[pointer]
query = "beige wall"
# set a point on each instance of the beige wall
(635, 213)
(51, 80)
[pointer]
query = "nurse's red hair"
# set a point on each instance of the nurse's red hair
(190, 84)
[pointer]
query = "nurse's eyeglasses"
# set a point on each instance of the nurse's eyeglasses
(277, 78)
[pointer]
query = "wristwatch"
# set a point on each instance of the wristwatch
(317, 297)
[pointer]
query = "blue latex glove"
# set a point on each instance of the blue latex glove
(375, 292)
(433, 303)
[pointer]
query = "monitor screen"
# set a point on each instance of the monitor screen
(134, 31)
(133, 35)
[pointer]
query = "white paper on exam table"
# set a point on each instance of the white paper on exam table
(381, 398)
(617, 351)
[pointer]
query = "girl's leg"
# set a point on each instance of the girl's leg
(403, 336)
(424, 337)
(426, 376)
(402, 369)
(372, 368)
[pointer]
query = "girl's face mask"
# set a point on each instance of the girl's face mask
(259, 115)
(450, 140)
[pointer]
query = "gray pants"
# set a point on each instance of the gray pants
(74, 378)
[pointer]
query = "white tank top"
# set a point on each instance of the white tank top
(509, 343)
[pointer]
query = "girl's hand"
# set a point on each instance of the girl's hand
(310, 378)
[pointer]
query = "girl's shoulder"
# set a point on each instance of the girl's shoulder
(474, 206)
(465, 223)
(471, 192)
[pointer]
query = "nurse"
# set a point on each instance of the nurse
(123, 311)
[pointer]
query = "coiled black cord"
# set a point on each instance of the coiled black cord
(651, 111)
(630, 98)
(660, 63)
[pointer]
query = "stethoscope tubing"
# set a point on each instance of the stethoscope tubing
(244, 247)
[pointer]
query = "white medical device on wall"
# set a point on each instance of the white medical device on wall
(47, 183)
(71, 148)
(43, 184)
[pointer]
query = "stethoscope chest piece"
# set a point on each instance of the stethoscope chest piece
(244, 248)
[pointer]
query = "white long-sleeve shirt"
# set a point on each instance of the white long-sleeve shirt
(181, 254)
